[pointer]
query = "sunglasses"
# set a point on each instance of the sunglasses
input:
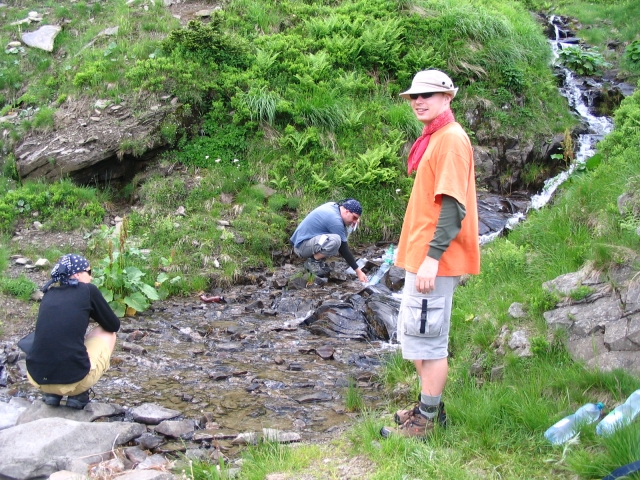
(414, 96)
(88, 271)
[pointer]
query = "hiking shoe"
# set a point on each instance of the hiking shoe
(78, 401)
(51, 399)
(402, 416)
(417, 426)
(318, 267)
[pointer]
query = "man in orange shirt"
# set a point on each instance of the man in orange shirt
(438, 244)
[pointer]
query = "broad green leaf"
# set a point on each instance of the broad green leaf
(137, 301)
(175, 280)
(118, 308)
(149, 291)
(133, 274)
(162, 277)
(107, 294)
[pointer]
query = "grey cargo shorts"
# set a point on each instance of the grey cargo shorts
(424, 320)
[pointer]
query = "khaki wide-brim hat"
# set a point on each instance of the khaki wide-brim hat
(430, 81)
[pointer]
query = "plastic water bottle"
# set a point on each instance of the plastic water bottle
(620, 416)
(568, 426)
(387, 261)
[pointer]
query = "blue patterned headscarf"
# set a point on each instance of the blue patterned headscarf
(352, 205)
(68, 265)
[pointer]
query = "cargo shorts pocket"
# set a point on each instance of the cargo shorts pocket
(424, 317)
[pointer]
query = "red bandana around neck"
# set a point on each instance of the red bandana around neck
(421, 144)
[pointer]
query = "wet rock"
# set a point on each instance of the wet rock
(394, 279)
(338, 320)
(202, 436)
(295, 367)
(381, 313)
(176, 428)
(152, 414)
(325, 352)
(314, 397)
(148, 441)
(217, 376)
(133, 348)
(136, 336)
(298, 283)
(135, 455)
(229, 347)
(252, 307)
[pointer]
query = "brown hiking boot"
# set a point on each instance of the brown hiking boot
(402, 416)
(416, 426)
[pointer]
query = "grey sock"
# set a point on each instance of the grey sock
(429, 405)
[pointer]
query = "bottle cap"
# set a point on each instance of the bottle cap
(600, 405)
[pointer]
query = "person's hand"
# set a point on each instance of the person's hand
(361, 276)
(426, 276)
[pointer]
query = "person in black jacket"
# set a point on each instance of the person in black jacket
(64, 359)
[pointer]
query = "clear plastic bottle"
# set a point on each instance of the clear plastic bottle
(620, 416)
(568, 426)
(387, 260)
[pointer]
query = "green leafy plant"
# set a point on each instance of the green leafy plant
(582, 61)
(633, 51)
(119, 280)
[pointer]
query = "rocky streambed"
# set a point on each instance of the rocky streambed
(277, 355)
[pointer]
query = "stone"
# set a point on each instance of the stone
(42, 38)
(66, 475)
(135, 455)
(325, 352)
(29, 450)
(203, 13)
(247, 438)
(42, 262)
(9, 414)
(585, 348)
(93, 411)
(519, 343)
(314, 397)
(274, 435)
(152, 414)
(153, 461)
(615, 336)
(516, 310)
(148, 441)
(176, 428)
(608, 361)
(148, 474)
(497, 373)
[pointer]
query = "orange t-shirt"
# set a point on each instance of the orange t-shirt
(446, 168)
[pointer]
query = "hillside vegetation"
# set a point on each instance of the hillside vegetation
(298, 96)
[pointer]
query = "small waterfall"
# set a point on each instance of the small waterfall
(598, 127)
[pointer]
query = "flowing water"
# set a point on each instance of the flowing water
(582, 104)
